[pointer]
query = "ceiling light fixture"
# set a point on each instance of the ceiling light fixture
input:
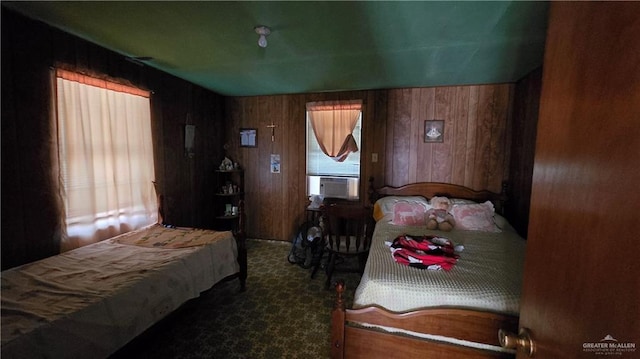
(263, 31)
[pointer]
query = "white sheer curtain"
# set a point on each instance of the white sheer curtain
(333, 123)
(106, 158)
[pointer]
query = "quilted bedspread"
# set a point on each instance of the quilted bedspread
(487, 276)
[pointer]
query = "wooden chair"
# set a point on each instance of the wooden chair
(347, 233)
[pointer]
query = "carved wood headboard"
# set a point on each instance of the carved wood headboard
(431, 189)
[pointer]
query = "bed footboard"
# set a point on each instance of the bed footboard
(357, 333)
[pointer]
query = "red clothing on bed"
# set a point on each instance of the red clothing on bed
(425, 252)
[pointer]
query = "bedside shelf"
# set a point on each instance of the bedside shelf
(228, 217)
(224, 201)
(229, 194)
(228, 171)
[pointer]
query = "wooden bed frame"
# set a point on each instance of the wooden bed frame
(350, 339)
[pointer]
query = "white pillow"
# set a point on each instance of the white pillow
(475, 217)
(503, 223)
(409, 213)
(384, 206)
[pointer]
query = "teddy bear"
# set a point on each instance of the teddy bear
(438, 217)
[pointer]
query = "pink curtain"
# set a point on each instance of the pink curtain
(333, 123)
(106, 158)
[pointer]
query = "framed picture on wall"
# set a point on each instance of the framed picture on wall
(248, 137)
(275, 163)
(434, 131)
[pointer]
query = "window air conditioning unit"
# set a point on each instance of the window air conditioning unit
(332, 187)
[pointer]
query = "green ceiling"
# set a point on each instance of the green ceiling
(314, 46)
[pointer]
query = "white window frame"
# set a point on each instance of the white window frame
(324, 167)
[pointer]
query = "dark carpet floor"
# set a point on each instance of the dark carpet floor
(282, 314)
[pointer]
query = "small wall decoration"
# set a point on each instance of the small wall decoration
(434, 131)
(248, 137)
(226, 164)
(275, 164)
(189, 136)
(272, 126)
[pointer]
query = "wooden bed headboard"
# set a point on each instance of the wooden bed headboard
(431, 189)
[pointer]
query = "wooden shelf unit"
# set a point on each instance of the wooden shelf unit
(229, 193)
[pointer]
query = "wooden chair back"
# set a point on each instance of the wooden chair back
(348, 228)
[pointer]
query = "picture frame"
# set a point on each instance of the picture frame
(248, 137)
(275, 163)
(433, 131)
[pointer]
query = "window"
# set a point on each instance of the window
(106, 158)
(333, 148)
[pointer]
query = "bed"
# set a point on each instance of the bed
(91, 301)
(402, 311)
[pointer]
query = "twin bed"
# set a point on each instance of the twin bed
(402, 311)
(91, 301)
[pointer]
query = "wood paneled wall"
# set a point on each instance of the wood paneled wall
(30, 225)
(475, 152)
(523, 133)
(275, 202)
